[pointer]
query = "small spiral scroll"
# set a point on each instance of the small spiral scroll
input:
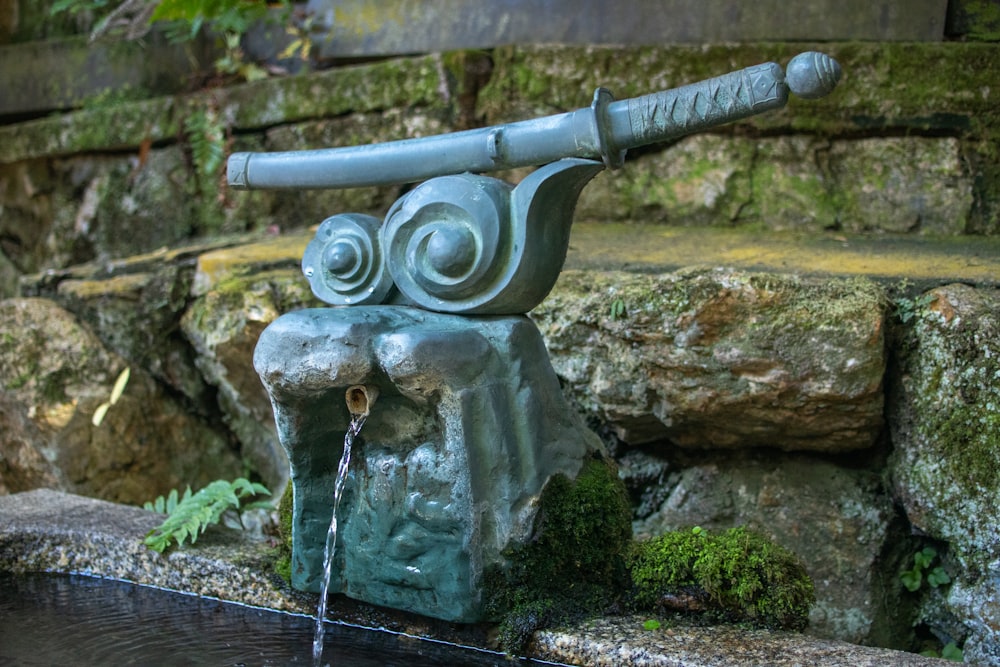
(448, 241)
(344, 262)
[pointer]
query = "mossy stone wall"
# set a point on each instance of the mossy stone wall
(899, 147)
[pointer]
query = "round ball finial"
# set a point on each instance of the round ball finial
(340, 257)
(451, 251)
(811, 75)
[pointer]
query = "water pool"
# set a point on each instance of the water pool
(57, 619)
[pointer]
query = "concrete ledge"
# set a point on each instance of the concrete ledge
(44, 530)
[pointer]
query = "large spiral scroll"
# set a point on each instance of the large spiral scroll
(471, 244)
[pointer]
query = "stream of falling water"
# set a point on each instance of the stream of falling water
(357, 421)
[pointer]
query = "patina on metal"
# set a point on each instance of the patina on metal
(604, 130)
(463, 242)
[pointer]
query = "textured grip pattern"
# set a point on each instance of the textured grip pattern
(680, 111)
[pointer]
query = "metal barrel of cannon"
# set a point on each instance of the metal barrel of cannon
(604, 130)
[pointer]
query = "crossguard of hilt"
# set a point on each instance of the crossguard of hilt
(455, 244)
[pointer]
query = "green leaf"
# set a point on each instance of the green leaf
(651, 624)
(193, 513)
(938, 577)
(923, 558)
(912, 579)
(952, 652)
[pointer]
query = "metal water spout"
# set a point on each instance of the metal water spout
(472, 424)
(360, 398)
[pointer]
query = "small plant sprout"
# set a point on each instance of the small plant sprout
(922, 561)
(651, 624)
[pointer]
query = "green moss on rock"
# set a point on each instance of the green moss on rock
(743, 574)
(575, 562)
(283, 560)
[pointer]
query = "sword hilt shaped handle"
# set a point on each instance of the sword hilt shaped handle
(668, 114)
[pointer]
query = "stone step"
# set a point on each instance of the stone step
(917, 262)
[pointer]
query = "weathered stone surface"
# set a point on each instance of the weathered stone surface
(701, 180)
(885, 85)
(66, 212)
(840, 522)
(66, 73)
(55, 374)
(239, 292)
(408, 26)
(468, 427)
(405, 82)
(623, 641)
(720, 358)
(906, 184)
(136, 314)
(944, 415)
(896, 185)
(976, 607)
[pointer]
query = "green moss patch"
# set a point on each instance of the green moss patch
(575, 562)
(736, 575)
(283, 560)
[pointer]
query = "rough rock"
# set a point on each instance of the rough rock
(702, 180)
(721, 358)
(792, 183)
(55, 374)
(840, 522)
(239, 292)
(904, 184)
(610, 642)
(944, 415)
(134, 308)
(64, 212)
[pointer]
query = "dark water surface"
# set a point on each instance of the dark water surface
(55, 619)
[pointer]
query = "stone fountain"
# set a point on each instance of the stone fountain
(429, 312)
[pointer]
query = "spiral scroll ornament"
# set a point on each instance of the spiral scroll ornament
(476, 245)
(448, 241)
(344, 262)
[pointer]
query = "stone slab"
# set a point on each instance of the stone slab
(615, 642)
(65, 73)
(364, 27)
(885, 258)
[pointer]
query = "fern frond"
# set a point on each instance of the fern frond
(194, 513)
